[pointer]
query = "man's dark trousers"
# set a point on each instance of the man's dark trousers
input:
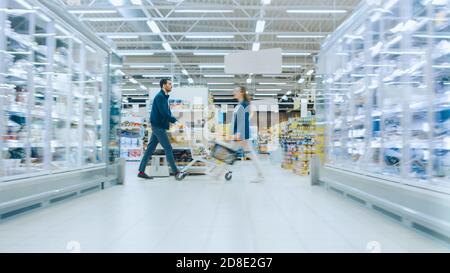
(159, 135)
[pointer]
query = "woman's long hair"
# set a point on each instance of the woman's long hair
(244, 93)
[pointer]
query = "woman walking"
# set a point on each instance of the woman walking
(240, 128)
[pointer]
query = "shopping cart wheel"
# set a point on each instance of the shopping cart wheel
(228, 176)
(180, 176)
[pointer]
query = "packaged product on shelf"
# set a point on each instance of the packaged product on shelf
(298, 142)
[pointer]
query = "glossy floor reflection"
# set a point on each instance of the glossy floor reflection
(283, 214)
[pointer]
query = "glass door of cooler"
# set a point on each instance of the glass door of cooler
(438, 37)
(21, 147)
(115, 106)
(338, 85)
(39, 91)
(76, 100)
(92, 139)
(394, 86)
(60, 99)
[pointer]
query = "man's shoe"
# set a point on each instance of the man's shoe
(144, 175)
(179, 176)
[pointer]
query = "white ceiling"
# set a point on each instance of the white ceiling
(131, 20)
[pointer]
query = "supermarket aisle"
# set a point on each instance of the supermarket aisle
(282, 215)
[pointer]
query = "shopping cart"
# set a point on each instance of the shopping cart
(219, 153)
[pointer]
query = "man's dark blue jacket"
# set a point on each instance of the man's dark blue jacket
(161, 116)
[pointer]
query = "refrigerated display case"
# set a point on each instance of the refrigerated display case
(115, 107)
(386, 75)
(53, 80)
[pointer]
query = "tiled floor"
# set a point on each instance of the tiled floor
(283, 214)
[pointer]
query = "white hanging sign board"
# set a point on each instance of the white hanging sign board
(267, 61)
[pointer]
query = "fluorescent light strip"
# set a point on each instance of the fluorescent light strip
(273, 75)
(269, 89)
(272, 83)
(64, 31)
(190, 80)
(218, 76)
(134, 53)
(441, 66)
(92, 11)
(167, 46)
(136, 2)
(403, 52)
(432, 36)
(145, 66)
(157, 76)
(91, 49)
(185, 72)
(123, 36)
(117, 3)
(321, 11)
(227, 89)
(24, 4)
(210, 54)
(300, 36)
(153, 26)
(265, 95)
(44, 17)
(220, 83)
(260, 25)
(203, 11)
(291, 66)
(379, 65)
(256, 46)
(296, 54)
(209, 36)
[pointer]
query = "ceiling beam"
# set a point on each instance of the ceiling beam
(197, 42)
(209, 19)
(211, 33)
(187, 6)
